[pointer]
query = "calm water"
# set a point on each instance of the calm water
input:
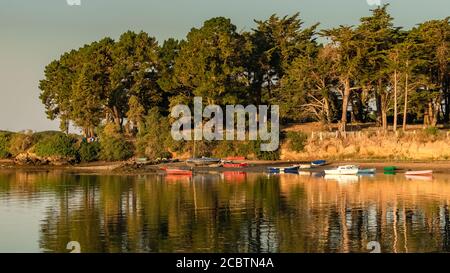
(231, 212)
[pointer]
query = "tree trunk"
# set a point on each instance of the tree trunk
(345, 98)
(395, 101)
(384, 118)
(116, 117)
(378, 103)
(384, 111)
(327, 111)
(405, 110)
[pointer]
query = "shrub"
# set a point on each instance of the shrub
(56, 145)
(431, 131)
(297, 141)
(4, 144)
(113, 145)
(225, 149)
(88, 152)
(248, 148)
(154, 139)
(20, 143)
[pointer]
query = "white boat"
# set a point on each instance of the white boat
(304, 166)
(413, 173)
(343, 170)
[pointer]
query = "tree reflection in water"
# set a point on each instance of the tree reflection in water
(234, 212)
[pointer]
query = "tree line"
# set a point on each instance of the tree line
(374, 71)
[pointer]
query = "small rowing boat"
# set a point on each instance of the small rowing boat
(367, 171)
(390, 169)
(318, 163)
(413, 173)
(204, 161)
(304, 166)
(293, 169)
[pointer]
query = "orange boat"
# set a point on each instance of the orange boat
(177, 171)
(235, 165)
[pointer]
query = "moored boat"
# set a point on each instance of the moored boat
(343, 170)
(203, 161)
(318, 163)
(390, 169)
(292, 169)
(367, 171)
(419, 173)
(304, 166)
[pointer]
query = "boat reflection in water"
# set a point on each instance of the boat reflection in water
(419, 177)
(229, 212)
(342, 178)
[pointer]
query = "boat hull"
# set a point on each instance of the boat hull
(367, 171)
(203, 161)
(235, 165)
(318, 163)
(341, 172)
(283, 170)
(419, 173)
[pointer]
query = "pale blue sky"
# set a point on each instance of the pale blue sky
(35, 32)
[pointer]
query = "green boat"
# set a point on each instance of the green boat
(390, 169)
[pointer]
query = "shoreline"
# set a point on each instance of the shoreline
(255, 166)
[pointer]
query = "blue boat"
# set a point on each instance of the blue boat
(318, 163)
(293, 169)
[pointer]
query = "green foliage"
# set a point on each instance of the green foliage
(5, 138)
(153, 140)
(431, 131)
(20, 143)
(59, 145)
(297, 140)
(279, 61)
(225, 149)
(113, 145)
(254, 147)
(88, 152)
(210, 62)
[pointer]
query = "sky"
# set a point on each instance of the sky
(35, 32)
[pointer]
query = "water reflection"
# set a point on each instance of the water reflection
(223, 212)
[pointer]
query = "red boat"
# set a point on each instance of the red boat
(235, 165)
(177, 171)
